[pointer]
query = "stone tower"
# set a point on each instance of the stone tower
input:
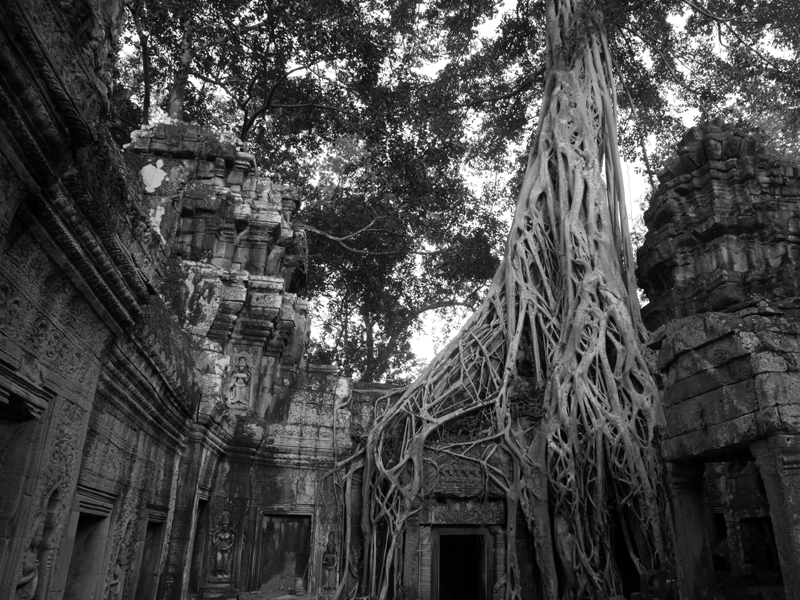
(721, 267)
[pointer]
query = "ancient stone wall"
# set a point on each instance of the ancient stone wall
(153, 402)
(233, 271)
(723, 227)
(720, 267)
(234, 265)
(96, 387)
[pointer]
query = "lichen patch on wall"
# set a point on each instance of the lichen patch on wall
(153, 176)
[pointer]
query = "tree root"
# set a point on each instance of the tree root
(560, 323)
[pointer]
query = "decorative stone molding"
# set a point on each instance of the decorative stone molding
(23, 395)
(729, 380)
(94, 501)
(722, 228)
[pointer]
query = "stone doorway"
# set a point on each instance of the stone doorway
(148, 570)
(87, 564)
(285, 550)
(461, 566)
(201, 536)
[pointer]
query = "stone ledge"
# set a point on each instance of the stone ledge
(731, 379)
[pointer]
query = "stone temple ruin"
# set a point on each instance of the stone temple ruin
(721, 266)
(162, 437)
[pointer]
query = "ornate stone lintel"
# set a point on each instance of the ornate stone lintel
(22, 394)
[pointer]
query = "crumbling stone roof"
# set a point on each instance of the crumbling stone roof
(722, 227)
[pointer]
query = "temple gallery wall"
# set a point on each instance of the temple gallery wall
(162, 436)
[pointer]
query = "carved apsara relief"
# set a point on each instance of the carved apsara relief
(28, 582)
(123, 555)
(39, 556)
(223, 541)
(330, 564)
(239, 383)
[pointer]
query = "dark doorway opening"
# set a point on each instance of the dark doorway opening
(628, 573)
(285, 550)
(87, 565)
(201, 534)
(460, 567)
(148, 570)
(760, 552)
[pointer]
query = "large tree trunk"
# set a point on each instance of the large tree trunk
(550, 370)
(144, 44)
(177, 91)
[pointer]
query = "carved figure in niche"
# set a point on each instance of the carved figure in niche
(223, 540)
(26, 586)
(120, 568)
(116, 578)
(239, 384)
(329, 563)
(355, 564)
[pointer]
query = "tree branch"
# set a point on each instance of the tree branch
(749, 44)
(239, 30)
(386, 353)
(268, 105)
(707, 13)
(316, 105)
(144, 44)
(641, 35)
(340, 241)
(527, 83)
(220, 84)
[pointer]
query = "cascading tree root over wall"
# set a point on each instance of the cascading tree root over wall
(549, 374)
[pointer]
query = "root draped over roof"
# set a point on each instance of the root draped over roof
(548, 375)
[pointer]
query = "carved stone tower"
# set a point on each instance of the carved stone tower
(721, 266)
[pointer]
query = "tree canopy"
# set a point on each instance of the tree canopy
(405, 123)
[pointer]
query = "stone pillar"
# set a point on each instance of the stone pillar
(499, 560)
(411, 560)
(778, 460)
(425, 558)
(693, 551)
(175, 570)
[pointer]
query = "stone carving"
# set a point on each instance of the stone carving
(232, 225)
(47, 529)
(64, 455)
(28, 581)
(23, 322)
(116, 581)
(120, 302)
(239, 384)
(119, 571)
(466, 512)
(721, 227)
(499, 590)
(223, 541)
(329, 563)
(66, 83)
(425, 562)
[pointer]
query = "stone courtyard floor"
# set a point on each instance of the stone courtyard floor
(279, 595)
